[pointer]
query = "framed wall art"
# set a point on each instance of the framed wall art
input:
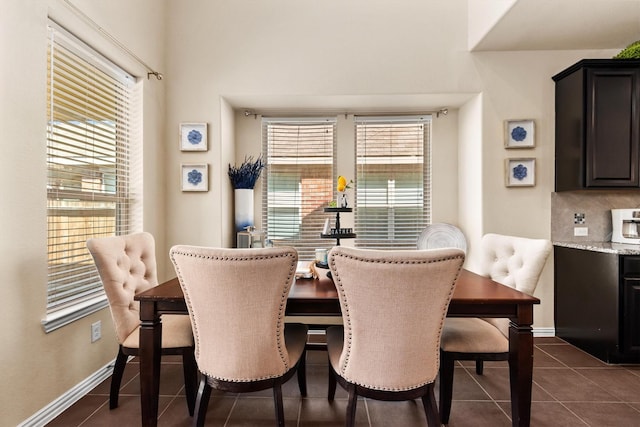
(519, 134)
(520, 172)
(193, 136)
(194, 177)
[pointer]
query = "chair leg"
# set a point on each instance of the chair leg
(116, 378)
(430, 407)
(332, 383)
(277, 401)
(479, 366)
(190, 368)
(202, 402)
(302, 374)
(351, 406)
(446, 385)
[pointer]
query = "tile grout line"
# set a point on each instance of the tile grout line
(83, 422)
(552, 395)
(235, 401)
(366, 406)
(173, 399)
(573, 370)
(486, 392)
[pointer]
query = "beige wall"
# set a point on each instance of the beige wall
(284, 57)
(39, 367)
(218, 57)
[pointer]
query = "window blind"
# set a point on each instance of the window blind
(298, 182)
(392, 180)
(88, 164)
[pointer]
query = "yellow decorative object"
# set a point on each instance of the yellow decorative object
(342, 184)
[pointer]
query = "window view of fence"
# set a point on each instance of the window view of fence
(299, 181)
(88, 164)
(393, 180)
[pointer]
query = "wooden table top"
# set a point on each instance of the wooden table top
(471, 288)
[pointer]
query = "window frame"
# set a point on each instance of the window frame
(319, 192)
(91, 167)
(403, 236)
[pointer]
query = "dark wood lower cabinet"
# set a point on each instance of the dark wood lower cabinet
(597, 303)
(631, 314)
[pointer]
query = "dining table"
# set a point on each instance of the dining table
(474, 296)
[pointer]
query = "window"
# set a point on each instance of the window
(392, 180)
(90, 191)
(298, 183)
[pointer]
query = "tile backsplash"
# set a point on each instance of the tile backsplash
(591, 209)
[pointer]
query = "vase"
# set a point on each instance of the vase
(243, 205)
(344, 202)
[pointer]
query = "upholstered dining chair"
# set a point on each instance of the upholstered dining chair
(393, 308)
(127, 266)
(236, 300)
(513, 261)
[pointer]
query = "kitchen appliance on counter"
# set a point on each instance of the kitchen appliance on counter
(626, 226)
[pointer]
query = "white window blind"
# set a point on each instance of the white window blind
(393, 180)
(89, 191)
(298, 182)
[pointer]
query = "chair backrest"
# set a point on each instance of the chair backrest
(236, 300)
(127, 266)
(514, 261)
(393, 308)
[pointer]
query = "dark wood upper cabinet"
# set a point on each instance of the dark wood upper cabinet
(598, 125)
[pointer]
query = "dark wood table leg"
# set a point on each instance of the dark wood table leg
(150, 352)
(521, 366)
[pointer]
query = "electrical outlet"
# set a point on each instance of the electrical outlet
(96, 331)
(580, 231)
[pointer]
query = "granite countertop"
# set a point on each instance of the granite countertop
(607, 247)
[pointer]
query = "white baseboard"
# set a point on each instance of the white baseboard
(64, 402)
(544, 332)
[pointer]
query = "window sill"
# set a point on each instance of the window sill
(61, 318)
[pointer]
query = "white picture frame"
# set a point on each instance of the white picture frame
(194, 177)
(520, 172)
(519, 133)
(193, 137)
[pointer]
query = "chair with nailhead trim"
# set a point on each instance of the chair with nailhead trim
(513, 261)
(236, 300)
(127, 266)
(393, 307)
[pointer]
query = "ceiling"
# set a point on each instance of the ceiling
(553, 24)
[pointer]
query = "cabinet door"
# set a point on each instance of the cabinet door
(587, 312)
(631, 315)
(612, 127)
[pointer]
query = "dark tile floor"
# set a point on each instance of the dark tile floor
(570, 388)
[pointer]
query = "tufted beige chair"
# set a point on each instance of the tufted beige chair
(513, 261)
(393, 308)
(236, 300)
(127, 266)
